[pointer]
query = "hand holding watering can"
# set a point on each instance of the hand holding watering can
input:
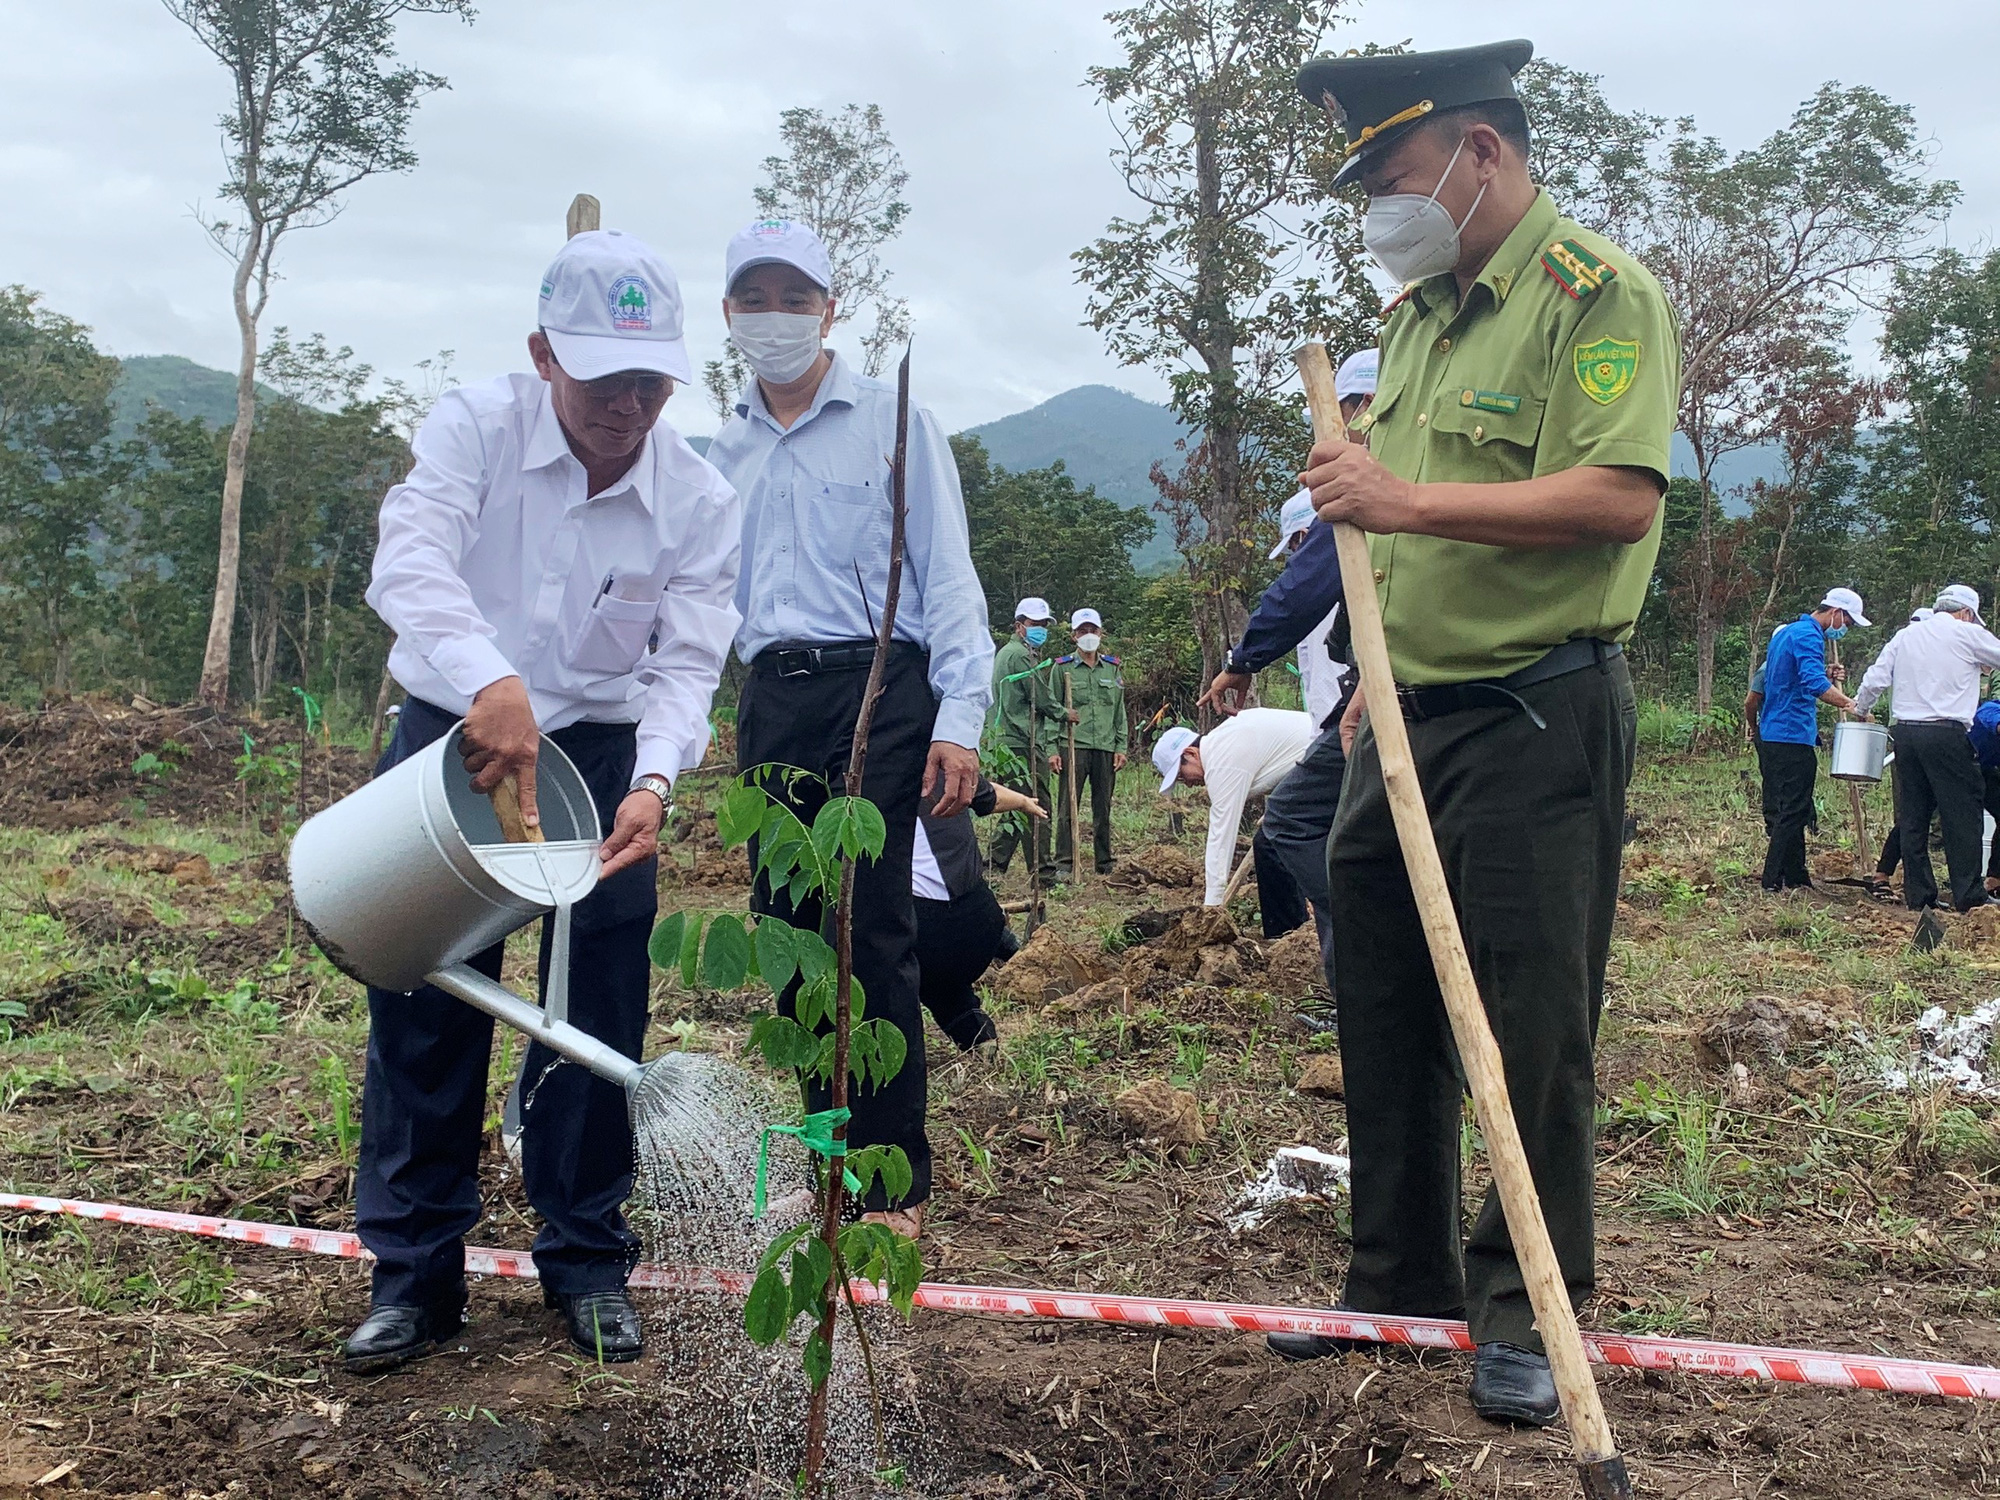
(499, 744)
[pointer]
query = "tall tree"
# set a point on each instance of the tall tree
(1239, 251)
(58, 477)
(319, 102)
(1751, 247)
(1594, 160)
(841, 175)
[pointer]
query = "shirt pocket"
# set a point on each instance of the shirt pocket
(1499, 431)
(846, 524)
(614, 636)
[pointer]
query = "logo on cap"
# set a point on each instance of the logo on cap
(770, 229)
(631, 305)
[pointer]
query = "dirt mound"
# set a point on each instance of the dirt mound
(87, 761)
(1048, 968)
(1762, 1029)
(1202, 946)
(1157, 1111)
(1157, 864)
(1292, 967)
(692, 852)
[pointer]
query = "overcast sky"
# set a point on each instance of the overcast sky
(664, 110)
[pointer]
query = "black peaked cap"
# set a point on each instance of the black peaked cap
(1381, 97)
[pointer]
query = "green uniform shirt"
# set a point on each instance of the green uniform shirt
(1020, 689)
(1565, 353)
(1098, 694)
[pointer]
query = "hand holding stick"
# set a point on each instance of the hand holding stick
(1601, 1468)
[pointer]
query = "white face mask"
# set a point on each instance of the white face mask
(779, 346)
(1412, 235)
(1088, 644)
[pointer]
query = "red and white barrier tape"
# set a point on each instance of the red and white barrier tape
(1865, 1372)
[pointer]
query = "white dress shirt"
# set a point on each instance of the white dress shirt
(816, 510)
(1931, 670)
(1241, 758)
(1320, 677)
(926, 878)
(614, 608)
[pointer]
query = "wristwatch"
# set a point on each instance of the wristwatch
(660, 787)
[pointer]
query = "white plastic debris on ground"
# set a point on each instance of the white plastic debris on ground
(1297, 1174)
(1951, 1049)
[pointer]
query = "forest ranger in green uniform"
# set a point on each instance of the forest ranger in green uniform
(1028, 721)
(1517, 452)
(1089, 682)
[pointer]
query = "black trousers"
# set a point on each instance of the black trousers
(1991, 779)
(1281, 902)
(416, 1188)
(1298, 816)
(808, 722)
(1789, 774)
(1041, 786)
(1892, 841)
(1936, 771)
(956, 941)
(1528, 822)
(1093, 767)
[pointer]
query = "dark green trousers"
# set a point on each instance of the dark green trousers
(1008, 837)
(1528, 823)
(1095, 769)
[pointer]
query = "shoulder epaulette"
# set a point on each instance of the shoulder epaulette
(1576, 270)
(1399, 299)
(1110, 658)
(1063, 661)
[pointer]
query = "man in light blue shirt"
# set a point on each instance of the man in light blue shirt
(808, 450)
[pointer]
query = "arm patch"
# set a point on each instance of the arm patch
(1576, 270)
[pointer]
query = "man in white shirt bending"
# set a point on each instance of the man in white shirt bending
(1931, 670)
(559, 561)
(1243, 758)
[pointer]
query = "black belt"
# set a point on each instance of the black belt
(806, 659)
(1420, 703)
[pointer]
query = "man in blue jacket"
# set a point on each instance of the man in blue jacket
(1795, 683)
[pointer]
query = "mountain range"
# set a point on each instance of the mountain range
(1104, 437)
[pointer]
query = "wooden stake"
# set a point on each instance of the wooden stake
(1598, 1462)
(585, 214)
(513, 824)
(1242, 870)
(1069, 768)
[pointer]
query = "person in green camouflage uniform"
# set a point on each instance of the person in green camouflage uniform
(1027, 721)
(1089, 683)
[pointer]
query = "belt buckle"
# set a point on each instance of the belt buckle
(1413, 709)
(811, 656)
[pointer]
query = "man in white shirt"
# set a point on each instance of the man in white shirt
(1243, 758)
(1931, 671)
(809, 448)
(559, 561)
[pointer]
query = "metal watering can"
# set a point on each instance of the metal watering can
(1860, 751)
(403, 880)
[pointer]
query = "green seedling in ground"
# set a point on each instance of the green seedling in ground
(982, 1161)
(339, 1092)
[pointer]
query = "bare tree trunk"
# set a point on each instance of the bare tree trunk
(214, 689)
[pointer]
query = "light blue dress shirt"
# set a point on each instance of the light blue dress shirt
(816, 507)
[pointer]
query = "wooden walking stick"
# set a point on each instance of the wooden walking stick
(1069, 777)
(1598, 1462)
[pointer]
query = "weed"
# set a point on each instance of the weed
(204, 1281)
(1190, 1053)
(1670, 1317)
(10, 1012)
(982, 1161)
(339, 1091)
(1691, 1151)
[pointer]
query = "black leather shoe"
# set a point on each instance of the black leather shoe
(1509, 1384)
(602, 1325)
(390, 1336)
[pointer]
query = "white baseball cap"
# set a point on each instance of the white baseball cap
(609, 303)
(1297, 516)
(1034, 607)
(1956, 596)
(1356, 375)
(1086, 617)
(1921, 613)
(1167, 755)
(1850, 601)
(778, 242)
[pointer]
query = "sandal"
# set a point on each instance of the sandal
(1879, 889)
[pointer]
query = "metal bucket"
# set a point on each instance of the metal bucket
(1860, 750)
(411, 874)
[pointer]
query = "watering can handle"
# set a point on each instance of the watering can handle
(507, 808)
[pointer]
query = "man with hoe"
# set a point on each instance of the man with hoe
(1088, 685)
(1511, 486)
(559, 561)
(1027, 720)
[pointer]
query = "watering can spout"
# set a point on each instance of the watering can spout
(501, 1003)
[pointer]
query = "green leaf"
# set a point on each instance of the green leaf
(898, 1176)
(812, 1268)
(690, 948)
(783, 1043)
(847, 828)
(775, 1254)
(889, 1045)
(665, 946)
(817, 959)
(818, 1360)
(725, 958)
(768, 1310)
(857, 998)
(740, 814)
(777, 952)
(814, 1001)
(805, 881)
(824, 1067)
(861, 1054)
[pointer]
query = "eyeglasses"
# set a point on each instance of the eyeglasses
(647, 385)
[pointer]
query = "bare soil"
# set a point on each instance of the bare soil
(189, 1058)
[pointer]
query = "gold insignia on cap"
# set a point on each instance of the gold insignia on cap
(1402, 117)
